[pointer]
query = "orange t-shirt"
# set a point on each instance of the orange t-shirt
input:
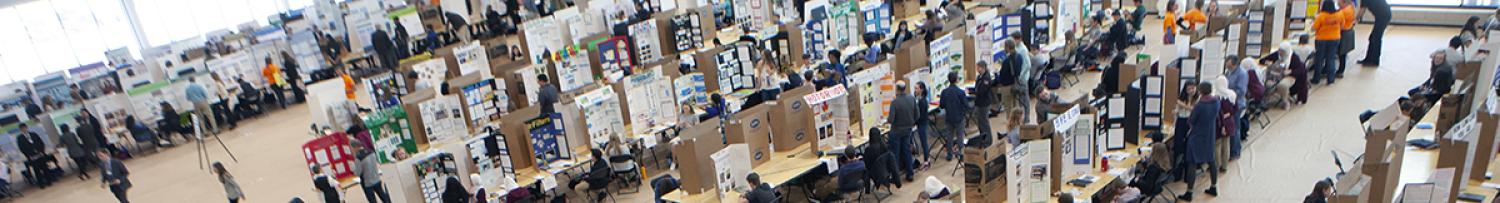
(1349, 18)
(272, 74)
(1327, 26)
(1171, 22)
(1195, 17)
(348, 86)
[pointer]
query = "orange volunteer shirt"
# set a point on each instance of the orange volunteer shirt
(1327, 26)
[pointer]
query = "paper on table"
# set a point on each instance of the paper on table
(548, 182)
(1117, 171)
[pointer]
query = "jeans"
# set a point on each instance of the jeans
(1327, 55)
(1382, 12)
(377, 190)
(955, 136)
(901, 145)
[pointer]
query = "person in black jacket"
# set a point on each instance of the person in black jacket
(492, 21)
(1320, 192)
(403, 42)
(35, 150)
(760, 192)
(114, 174)
(984, 96)
(171, 122)
(385, 50)
(455, 191)
(1441, 80)
(924, 123)
(955, 108)
(293, 76)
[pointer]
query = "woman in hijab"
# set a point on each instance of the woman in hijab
(455, 192)
(1227, 128)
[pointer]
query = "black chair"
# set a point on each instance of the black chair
(845, 190)
(599, 181)
(1153, 184)
(629, 176)
(887, 166)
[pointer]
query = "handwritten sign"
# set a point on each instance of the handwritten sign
(825, 95)
(1066, 120)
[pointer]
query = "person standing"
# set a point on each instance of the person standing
(385, 50)
(1195, 16)
(984, 94)
(903, 119)
(1170, 23)
(221, 103)
(293, 77)
(924, 123)
(326, 185)
(954, 105)
(1200, 141)
(1021, 92)
(34, 148)
(547, 96)
(92, 132)
(455, 191)
(349, 86)
(1346, 36)
(199, 96)
(1382, 12)
(80, 157)
(114, 175)
(275, 81)
(369, 176)
(1328, 27)
(231, 187)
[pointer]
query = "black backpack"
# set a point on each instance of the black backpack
(1010, 71)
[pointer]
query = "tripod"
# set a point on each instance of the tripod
(203, 156)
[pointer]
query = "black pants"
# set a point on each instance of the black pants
(83, 162)
(1192, 175)
(1382, 12)
(299, 93)
(276, 96)
(224, 114)
(234, 200)
(40, 173)
(119, 193)
(371, 192)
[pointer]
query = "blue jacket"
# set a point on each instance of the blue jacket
(1200, 137)
(1239, 81)
(952, 102)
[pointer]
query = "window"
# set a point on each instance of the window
(1446, 3)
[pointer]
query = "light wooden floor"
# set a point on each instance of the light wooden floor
(1279, 165)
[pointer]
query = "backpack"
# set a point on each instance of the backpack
(1256, 90)
(1010, 71)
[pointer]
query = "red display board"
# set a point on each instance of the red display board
(333, 151)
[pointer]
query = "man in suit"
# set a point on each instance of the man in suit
(35, 150)
(903, 119)
(953, 102)
(114, 174)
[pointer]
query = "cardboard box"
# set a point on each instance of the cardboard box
(1456, 153)
(753, 128)
(691, 150)
(905, 9)
(1353, 189)
(912, 55)
(1385, 144)
(793, 119)
(1486, 143)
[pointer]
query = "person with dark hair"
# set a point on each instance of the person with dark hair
(1110, 81)
(903, 119)
(1194, 16)
(715, 108)
(385, 49)
(171, 122)
(275, 80)
(1454, 55)
(924, 123)
(1200, 140)
(1470, 30)
(454, 191)
(954, 103)
(70, 141)
(1441, 80)
(112, 172)
(547, 97)
(1321, 191)
(1170, 23)
(34, 148)
(760, 192)
(231, 187)
(1328, 27)
(1382, 12)
(326, 184)
(1138, 16)
(985, 95)
(1346, 35)
(403, 41)
(367, 169)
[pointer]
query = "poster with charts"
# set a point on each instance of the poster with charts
(471, 59)
(690, 89)
(815, 32)
(442, 119)
(830, 117)
(614, 58)
(528, 81)
(982, 30)
(542, 38)
(430, 73)
(652, 103)
(731, 165)
(844, 15)
(877, 17)
(549, 141)
(687, 31)
(732, 65)
(946, 57)
(486, 101)
(876, 90)
(601, 114)
(491, 168)
(647, 41)
(573, 72)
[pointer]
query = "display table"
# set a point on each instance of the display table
(527, 175)
(784, 167)
(1421, 163)
(1133, 157)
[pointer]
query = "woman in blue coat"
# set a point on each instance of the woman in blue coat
(1200, 140)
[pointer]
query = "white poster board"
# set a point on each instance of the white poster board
(652, 103)
(647, 41)
(876, 90)
(442, 119)
(431, 73)
(543, 38)
(731, 165)
(574, 72)
(471, 59)
(601, 113)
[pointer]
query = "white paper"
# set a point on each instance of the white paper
(731, 165)
(1116, 108)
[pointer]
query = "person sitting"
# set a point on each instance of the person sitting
(1441, 80)
(759, 192)
(1320, 193)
